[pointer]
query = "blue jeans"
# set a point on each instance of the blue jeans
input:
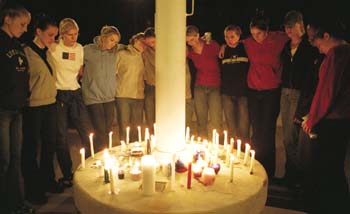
(236, 116)
(129, 113)
(289, 103)
(207, 99)
(150, 107)
(11, 193)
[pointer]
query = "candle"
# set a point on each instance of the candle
(112, 181)
(147, 136)
(110, 139)
(252, 159)
(91, 136)
(189, 175)
(208, 176)
(139, 133)
(232, 142)
(239, 142)
(148, 174)
(187, 135)
(217, 140)
(154, 128)
(135, 174)
(225, 139)
(197, 171)
(127, 135)
(231, 167)
(192, 139)
(198, 139)
(214, 136)
(246, 153)
(82, 156)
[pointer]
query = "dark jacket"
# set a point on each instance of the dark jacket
(14, 75)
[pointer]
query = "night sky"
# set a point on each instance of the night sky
(132, 16)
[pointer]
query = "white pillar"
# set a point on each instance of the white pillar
(170, 26)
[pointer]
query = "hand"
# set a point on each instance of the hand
(306, 128)
(297, 120)
(222, 51)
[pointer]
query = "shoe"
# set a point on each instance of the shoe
(24, 209)
(55, 187)
(66, 182)
(37, 199)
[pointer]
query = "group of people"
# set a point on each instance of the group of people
(47, 85)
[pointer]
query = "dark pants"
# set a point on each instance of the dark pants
(102, 116)
(39, 128)
(264, 107)
(327, 190)
(150, 106)
(11, 193)
(70, 107)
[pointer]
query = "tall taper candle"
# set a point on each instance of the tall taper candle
(91, 136)
(139, 133)
(225, 140)
(82, 155)
(252, 160)
(127, 135)
(246, 153)
(110, 139)
(239, 143)
(232, 159)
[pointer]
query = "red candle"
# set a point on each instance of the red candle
(189, 175)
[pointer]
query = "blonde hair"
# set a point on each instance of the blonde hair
(136, 37)
(67, 24)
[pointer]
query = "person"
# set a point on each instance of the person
(297, 58)
(130, 87)
(39, 118)
(329, 119)
(264, 48)
(150, 76)
(68, 56)
(99, 82)
(207, 98)
(234, 87)
(14, 93)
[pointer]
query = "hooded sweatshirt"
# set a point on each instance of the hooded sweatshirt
(99, 78)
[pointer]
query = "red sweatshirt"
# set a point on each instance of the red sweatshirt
(332, 96)
(207, 65)
(265, 64)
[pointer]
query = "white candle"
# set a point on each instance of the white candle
(148, 174)
(214, 136)
(232, 142)
(246, 153)
(110, 139)
(252, 160)
(187, 136)
(139, 133)
(146, 134)
(154, 129)
(91, 136)
(239, 142)
(225, 139)
(208, 176)
(217, 140)
(232, 159)
(82, 156)
(127, 135)
(112, 181)
(192, 139)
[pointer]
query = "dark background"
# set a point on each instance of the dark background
(132, 16)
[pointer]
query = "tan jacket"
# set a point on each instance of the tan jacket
(130, 74)
(42, 84)
(150, 66)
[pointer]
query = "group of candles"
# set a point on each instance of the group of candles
(198, 169)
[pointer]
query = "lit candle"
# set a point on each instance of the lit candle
(110, 139)
(147, 136)
(239, 142)
(148, 174)
(231, 167)
(217, 140)
(199, 140)
(91, 136)
(112, 179)
(252, 160)
(225, 139)
(82, 156)
(139, 133)
(246, 153)
(127, 135)
(189, 175)
(197, 171)
(214, 136)
(208, 176)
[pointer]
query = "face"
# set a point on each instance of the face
(47, 37)
(17, 25)
(109, 42)
(192, 39)
(231, 38)
(293, 30)
(140, 45)
(70, 37)
(311, 32)
(322, 44)
(150, 42)
(258, 35)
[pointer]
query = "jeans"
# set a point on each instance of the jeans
(150, 108)
(130, 112)
(264, 107)
(70, 107)
(11, 193)
(39, 128)
(236, 116)
(101, 115)
(289, 103)
(207, 99)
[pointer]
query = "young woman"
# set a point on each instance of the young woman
(99, 82)
(39, 119)
(14, 93)
(68, 56)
